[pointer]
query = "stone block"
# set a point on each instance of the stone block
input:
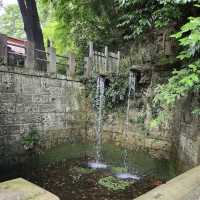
(31, 89)
(7, 88)
(47, 108)
(161, 145)
(7, 108)
(53, 120)
(44, 99)
(54, 91)
(27, 108)
(148, 143)
(8, 119)
(7, 97)
(9, 130)
(23, 190)
(29, 118)
(23, 99)
(56, 83)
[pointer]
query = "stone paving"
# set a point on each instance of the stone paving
(20, 189)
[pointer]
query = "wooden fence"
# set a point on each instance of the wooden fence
(15, 52)
(103, 63)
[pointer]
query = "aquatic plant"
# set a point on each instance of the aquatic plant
(114, 184)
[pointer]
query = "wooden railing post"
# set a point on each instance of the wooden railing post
(90, 60)
(30, 55)
(72, 65)
(118, 61)
(106, 59)
(51, 68)
(3, 50)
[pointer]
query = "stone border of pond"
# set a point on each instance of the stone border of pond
(20, 189)
(183, 187)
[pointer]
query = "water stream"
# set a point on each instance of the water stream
(131, 92)
(100, 101)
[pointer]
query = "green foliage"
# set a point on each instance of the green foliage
(166, 15)
(186, 80)
(30, 140)
(61, 69)
(11, 22)
(115, 92)
(189, 38)
(114, 184)
(72, 23)
(76, 22)
(138, 16)
(182, 82)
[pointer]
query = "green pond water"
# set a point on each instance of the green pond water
(112, 156)
(64, 171)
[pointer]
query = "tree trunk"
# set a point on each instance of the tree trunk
(33, 29)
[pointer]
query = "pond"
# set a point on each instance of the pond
(64, 171)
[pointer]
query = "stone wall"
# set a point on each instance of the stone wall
(185, 130)
(155, 59)
(158, 143)
(36, 100)
(140, 137)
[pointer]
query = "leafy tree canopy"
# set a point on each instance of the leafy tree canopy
(81, 21)
(11, 22)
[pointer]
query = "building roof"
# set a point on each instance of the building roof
(16, 45)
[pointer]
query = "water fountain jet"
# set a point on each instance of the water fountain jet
(131, 90)
(100, 101)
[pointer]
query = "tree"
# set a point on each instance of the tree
(11, 22)
(81, 21)
(32, 28)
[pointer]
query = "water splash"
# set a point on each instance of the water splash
(97, 165)
(128, 176)
(100, 102)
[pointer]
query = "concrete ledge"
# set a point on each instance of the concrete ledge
(20, 189)
(183, 187)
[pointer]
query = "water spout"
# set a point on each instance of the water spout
(100, 102)
(131, 92)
